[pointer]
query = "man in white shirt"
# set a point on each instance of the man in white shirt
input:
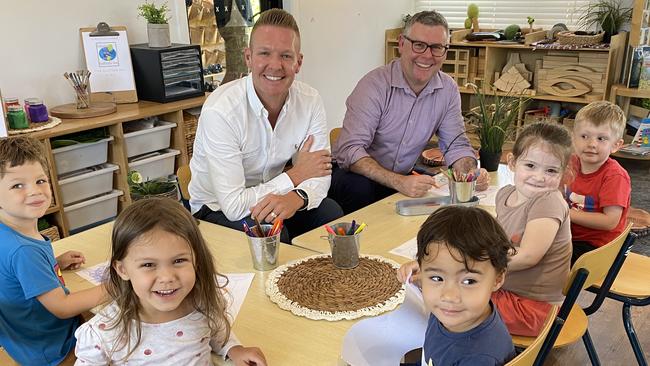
(248, 131)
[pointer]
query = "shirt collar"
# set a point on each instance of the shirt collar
(398, 80)
(255, 102)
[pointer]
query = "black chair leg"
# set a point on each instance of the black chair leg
(631, 334)
(591, 350)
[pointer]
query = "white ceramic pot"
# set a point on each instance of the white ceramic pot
(158, 35)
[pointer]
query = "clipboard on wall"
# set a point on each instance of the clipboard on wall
(108, 58)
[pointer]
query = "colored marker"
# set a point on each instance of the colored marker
(329, 229)
(360, 229)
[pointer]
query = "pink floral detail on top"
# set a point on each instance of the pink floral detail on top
(179, 333)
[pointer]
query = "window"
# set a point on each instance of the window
(498, 14)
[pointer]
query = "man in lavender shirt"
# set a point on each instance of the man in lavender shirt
(391, 115)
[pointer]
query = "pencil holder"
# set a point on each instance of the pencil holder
(83, 98)
(80, 82)
(461, 191)
(264, 251)
(345, 248)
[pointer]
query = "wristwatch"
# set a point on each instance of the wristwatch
(305, 199)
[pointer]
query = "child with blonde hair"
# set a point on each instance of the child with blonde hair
(535, 217)
(167, 308)
(38, 314)
(600, 194)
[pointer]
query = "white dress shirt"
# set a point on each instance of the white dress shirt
(238, 158)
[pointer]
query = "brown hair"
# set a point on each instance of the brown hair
(277, 18)
(168, 215)
(20, 150)
(557, 137)
(603, 113)
(428, 17)
(471, 231)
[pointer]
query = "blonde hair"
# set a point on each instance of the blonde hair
(206, 296)
(20, 150)
(276, 18)
(603, 113)
(556, 137)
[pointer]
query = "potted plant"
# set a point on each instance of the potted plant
(494, 123)
(157, 26)
(607, 15)
(161, 187)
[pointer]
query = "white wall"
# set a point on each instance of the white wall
(341, 41)
(39, 41)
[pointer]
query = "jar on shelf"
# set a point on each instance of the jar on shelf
(17, 118)
(9, 101)
(36, 110)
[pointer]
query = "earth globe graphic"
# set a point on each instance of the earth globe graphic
(107, 53)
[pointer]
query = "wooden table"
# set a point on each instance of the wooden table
(386, 229)
(285, 339)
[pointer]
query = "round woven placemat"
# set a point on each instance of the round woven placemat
(314, 288)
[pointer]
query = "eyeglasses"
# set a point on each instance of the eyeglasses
(437, 49)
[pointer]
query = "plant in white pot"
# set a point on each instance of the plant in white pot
(157, 26)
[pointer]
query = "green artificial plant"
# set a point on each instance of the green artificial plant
(153, 14)
(607, 15)
(141, 188)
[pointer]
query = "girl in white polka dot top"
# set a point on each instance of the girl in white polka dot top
(167, 308)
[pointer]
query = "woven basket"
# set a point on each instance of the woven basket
(572, 38)
(173, 194)
(51, 232)
(190, 122)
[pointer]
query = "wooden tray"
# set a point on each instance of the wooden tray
(96, 109)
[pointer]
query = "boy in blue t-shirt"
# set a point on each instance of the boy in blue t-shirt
(462, 257)
(38, 315)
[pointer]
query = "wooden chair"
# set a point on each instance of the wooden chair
(632, 288)
(528, 356)
(184, 175)
(571, 322)
(334, 135)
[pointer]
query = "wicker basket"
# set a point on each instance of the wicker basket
(190, 123)
(572, 38)
(51, 232)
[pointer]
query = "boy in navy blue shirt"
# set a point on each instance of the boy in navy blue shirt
(38, 315)
(462, 257)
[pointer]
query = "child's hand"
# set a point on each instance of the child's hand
(410, 271)
(483, 180)
(70, 260)
(245, 356)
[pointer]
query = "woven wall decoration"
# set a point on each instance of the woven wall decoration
(314, 288)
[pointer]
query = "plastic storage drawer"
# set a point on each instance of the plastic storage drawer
(91, 211)
(88, 182)
(155, 166)
(149, 139)
(79, 156)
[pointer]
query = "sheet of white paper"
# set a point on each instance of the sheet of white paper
(3, 123)
(94, 274)
(407, 250)
(383, 340)
(238, 285)
(488, 197)
(108, 59)
(443, 186)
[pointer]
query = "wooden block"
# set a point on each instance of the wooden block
(459, 35)
(565, 59)
(532, 37)
(560, 53)
(594, 55)
(577, 68)
(511, 81)
(576, 88)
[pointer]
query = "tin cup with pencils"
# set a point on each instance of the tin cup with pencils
(344, 243)
(265, 247)
(461, 186)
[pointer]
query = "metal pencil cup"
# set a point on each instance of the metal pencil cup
(345, 248)
(264, 251)
(461, 191)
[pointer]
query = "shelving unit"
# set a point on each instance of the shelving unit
(117, 154)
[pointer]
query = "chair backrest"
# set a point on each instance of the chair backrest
(184, 175)
(334, 135)
(528, 356)
(599, 262)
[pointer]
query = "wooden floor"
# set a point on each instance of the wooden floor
(608, 334)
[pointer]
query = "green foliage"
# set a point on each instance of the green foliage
(495, 120)
(472, 11)
(530, 20)
(607, 15)
(153, 14)
(43, 224)
(511, 31)
(468, 23)
(157, 186)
